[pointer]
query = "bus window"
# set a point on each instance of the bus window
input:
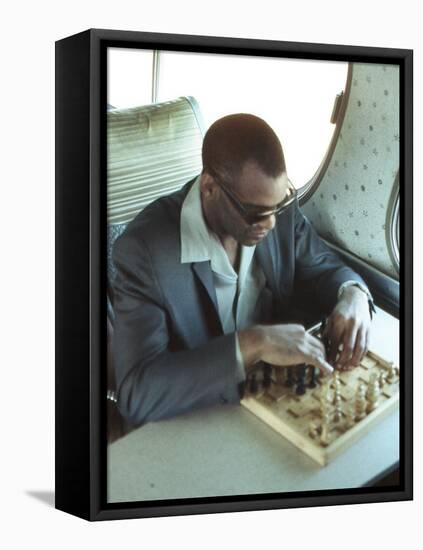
(295, 97)
(129, 77)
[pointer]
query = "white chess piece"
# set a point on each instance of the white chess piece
(373, 392)
(360, 402)
(351, 415)
(324, 436)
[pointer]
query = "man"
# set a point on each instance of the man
(202, 272)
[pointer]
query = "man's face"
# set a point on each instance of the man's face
(259, 194)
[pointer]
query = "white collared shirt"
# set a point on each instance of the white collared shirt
(199, 244)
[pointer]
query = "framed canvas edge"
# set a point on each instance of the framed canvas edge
(91, 455)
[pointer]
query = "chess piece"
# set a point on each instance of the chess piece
(373, 392)
(338, 408)
(351, 415)
(267, 376)
(360, 402)
(391, 373)
(300, 379)
(289, 377)
(313, 377)
(382, 378)
(280, 375)
(324, 337)
(336, 384)
(337, 400)
(313, 430)
(324, 435)
(325, 401)
(253, 384)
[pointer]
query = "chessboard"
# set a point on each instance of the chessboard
(323, 415)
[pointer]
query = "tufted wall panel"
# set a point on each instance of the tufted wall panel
(352, 205)
(151, 151)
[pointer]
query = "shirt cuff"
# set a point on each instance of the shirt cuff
(240, 367)
(354, 283)
(362, 287)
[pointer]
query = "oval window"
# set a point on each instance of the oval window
(296, 97)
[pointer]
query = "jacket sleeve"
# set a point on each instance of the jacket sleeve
(154, 382)
(317, 265)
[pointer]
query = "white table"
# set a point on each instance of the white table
(225, 450)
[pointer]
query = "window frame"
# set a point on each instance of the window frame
(307, 190)
(392, 225)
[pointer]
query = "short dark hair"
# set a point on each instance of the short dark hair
(235, 139)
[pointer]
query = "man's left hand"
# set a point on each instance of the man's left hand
(348, 329)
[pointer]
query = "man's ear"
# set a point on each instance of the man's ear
(207, 185)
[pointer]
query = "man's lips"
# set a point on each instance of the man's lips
(258, 234)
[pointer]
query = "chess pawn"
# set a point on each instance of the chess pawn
(300, 379)
(324, 435)
(373, 377)
(313, 430)
(289, 380)
(336, 384)
(337, 397)
(325, 392)
(267, 376)
(391, 373)
(351, 415)
(382, 378)
(313, 377)
(373, 393)
(324, 408)
(360, 402)
(338, 409)
(325, 401)
(253, 386)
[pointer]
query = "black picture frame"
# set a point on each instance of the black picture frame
(81, 273)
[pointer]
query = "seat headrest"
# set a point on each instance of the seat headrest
(152, 151)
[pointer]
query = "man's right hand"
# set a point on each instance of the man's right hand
(282, 345)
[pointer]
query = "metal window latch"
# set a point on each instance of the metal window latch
(336, 108)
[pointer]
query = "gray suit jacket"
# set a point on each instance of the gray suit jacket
(169, 350)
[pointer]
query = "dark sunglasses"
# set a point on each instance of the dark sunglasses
(250, 213)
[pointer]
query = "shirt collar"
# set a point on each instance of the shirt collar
(198, 243)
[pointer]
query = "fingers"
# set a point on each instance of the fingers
(333, 334)
(316, 345)
(319, 361)
(348, 345)
(312, 352)
(323, 365)
(316, 355)
(359, 344)
(360, 348)
(348, 331)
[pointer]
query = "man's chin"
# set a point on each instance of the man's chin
(252, 240)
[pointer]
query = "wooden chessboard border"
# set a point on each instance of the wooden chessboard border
(323, 455)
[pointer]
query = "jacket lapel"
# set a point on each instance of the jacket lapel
(204, 273)
(266, 259)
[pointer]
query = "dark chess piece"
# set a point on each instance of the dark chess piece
(313, 376)
(253, 386)
(267, 376)
(301, 380)
(324, 337)
(289, 380)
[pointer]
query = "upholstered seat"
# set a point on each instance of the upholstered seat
(152, 151)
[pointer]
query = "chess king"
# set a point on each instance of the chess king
(206, 278)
